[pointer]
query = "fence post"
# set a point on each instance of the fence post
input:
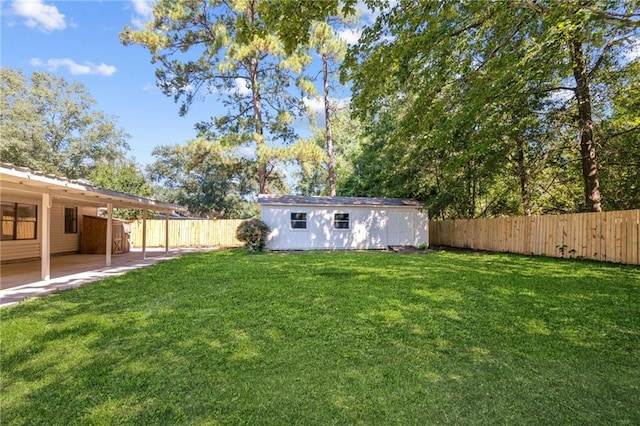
(606, 236)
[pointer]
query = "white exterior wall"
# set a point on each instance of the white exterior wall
(369, 227)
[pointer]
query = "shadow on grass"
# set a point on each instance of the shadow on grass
(320, 338)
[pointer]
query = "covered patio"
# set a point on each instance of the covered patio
(22, 280)
(37, 231)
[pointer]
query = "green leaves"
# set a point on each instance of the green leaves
(227, 49)
(211, 179)
(451, 87)
(51, 125)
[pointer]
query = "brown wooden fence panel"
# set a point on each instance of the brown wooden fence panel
(188, 233)
(608, 236)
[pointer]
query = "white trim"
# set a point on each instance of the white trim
(166, 233)
(144, 233)
(109, 242)
(45, 238)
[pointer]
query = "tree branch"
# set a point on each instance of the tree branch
(604, 51)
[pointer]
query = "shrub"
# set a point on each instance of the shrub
(253, 232)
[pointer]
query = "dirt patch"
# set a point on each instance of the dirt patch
(407, 250)
(460, 250)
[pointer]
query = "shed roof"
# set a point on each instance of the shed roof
(290, 200)
(15, 178)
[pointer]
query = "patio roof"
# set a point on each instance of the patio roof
(24, 182)
(24, 179)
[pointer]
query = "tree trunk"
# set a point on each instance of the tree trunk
(525, 196)
(585, 123)
(259, 132)
(263, 173)
(327, 117)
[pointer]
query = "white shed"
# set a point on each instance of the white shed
(311, 223)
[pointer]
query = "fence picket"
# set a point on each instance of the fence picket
(188, 232)
(606, 236)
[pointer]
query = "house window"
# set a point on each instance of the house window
(298, 221)
(19, 221)
(341, 221)
(70, 220)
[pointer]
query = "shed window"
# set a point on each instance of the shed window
(19, 221)
(298, 221)
(70, 220)
(341, 220)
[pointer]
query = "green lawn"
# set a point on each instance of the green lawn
(331, 338)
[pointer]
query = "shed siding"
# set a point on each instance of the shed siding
(369, 228)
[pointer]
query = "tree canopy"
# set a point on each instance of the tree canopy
(476, 108)
(204, 177)
(476, 97)
(52, 125)
(226, 49)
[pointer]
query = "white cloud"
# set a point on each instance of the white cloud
(368, 15)
(88, 68)
(241, 87)
(39, 16)
(561, 96)
(634, 52)
(350, 35)
(144, 12)
(316, 105)
(246, 151)
(143, 7)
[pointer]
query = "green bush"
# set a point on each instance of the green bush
(253, 232)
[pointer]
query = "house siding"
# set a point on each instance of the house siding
(60, 242)
(22, 249)
(369, 228)
(66, 243)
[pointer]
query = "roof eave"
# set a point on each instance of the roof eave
(74, 189)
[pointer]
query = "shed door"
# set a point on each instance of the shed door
(400, 228)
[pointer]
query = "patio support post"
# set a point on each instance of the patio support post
(109, 233)
(144, 233)
(45, 249)
(166, 233)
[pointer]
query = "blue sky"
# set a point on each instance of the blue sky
(78, 40)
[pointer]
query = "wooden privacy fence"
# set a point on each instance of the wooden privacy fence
(607, 236)
(188, 233)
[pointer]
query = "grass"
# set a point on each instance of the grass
(331, 338)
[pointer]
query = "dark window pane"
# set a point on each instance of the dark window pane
(8, 221)
(70, 220)
(26, 225)
(19, 221)
(298, 221)
(341, 221)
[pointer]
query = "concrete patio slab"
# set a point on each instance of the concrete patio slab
(20, 281)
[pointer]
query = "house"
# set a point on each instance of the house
(44, 214)
(307, 223)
